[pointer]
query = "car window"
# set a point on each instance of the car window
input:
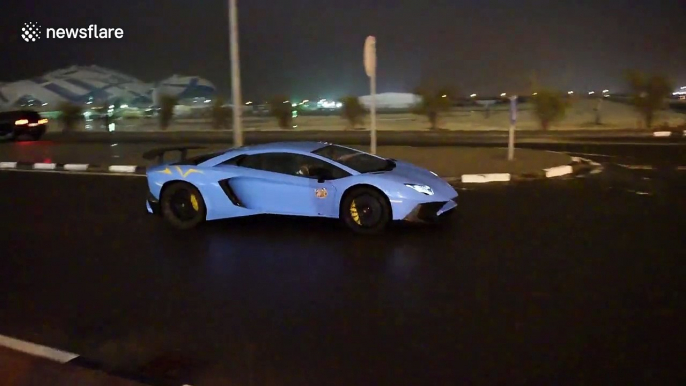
(354, 159)
(291, 164)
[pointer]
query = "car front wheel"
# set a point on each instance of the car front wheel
(366, 211)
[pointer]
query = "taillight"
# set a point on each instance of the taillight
(21, 122)
(42, 121)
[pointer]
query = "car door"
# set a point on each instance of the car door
(274, 183)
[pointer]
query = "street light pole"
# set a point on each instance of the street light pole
(235, 75)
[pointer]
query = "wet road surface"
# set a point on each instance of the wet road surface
(576, 281)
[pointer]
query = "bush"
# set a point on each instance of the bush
(549, 107)
(432, 104)
(649, 94)
(70, 115)
(166, 113)
(221, 115)
(353, 111)
(281, 109)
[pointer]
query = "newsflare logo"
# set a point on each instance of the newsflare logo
(32, 32)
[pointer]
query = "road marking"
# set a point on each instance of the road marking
(558, 171)
(662, 133)
(111, 174)
(76, 167)
(8, 165)
(44, 166)
(637, 167)
(483, 178)
(122, 168)
(37, 350)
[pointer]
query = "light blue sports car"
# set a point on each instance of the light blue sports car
(314, 179)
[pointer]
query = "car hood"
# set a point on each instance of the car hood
(405, 172)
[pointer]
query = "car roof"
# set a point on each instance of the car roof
(301, 146)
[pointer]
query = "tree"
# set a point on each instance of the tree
(353, 111)
(649, 93)
(166, 113)
(549, 107)
(432, 104)
(70, 115)
(221, 115)
(280, 108)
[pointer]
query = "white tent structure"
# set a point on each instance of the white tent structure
(94, 84)
(391, 100)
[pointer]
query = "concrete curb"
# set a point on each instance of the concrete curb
(81, 168)
(70, 359)
(578, 165)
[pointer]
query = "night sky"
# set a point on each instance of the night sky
(313, 49)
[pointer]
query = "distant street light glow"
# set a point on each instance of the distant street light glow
(445, 96)
(571, 92)
(503, 94)
(591, 92)
(248, 102)
(606, 91)
(473, 95)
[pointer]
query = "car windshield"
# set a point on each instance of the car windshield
(354, 159)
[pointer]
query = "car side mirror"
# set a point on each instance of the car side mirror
(321, 174)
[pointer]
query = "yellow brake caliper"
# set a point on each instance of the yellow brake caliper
(354, 214)
(194, 202)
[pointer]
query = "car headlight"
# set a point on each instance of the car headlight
(421, 189)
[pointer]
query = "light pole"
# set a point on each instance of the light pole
(235, 75)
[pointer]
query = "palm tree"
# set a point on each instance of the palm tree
(432, 104)
(353, 111)
(70, 115)
(167, 104)
(649, 93)
(280, 108)
(549, 107)
(221, 114)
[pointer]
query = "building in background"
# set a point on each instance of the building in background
(392, 100)
(94, 85)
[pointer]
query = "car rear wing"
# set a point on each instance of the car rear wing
(161, 151)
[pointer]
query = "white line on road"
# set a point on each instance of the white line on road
(111, 174)
(44, 166)
(76, 167)
(36, 349)
(8, 165)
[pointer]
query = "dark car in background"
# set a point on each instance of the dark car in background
(22, 124)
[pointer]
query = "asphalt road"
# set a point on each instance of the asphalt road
(573, 281)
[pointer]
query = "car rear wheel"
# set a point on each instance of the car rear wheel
(366, 211)
(182, 205)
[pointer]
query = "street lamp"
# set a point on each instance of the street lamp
(235, 75)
